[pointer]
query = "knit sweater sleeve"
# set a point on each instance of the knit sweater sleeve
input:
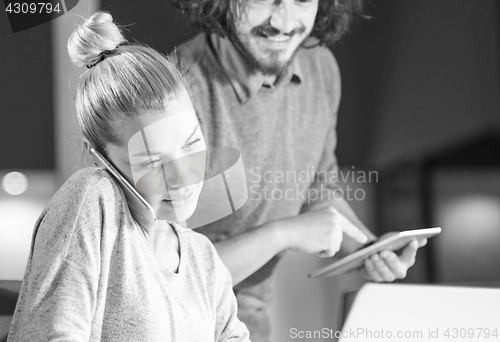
(228, 327)
(59, 293)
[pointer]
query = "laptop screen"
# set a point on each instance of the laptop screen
(399, 312)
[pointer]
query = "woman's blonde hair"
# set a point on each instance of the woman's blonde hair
(122, 81)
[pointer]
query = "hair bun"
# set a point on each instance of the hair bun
(96, 35)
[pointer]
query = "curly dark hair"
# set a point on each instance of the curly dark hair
(332, 20)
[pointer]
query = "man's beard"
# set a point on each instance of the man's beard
(273, 65)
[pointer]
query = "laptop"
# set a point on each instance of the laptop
(401, 312)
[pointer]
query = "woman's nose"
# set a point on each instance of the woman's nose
(184, 171)
(174, 175)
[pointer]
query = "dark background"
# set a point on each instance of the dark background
(420, 76)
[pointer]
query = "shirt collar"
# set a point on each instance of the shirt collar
(245, 80)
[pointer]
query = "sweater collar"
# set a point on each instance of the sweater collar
(246, 81)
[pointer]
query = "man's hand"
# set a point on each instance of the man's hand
(319, 232)
(316, 231)
(387, 266)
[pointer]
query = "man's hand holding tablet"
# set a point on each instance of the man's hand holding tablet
(380, 260)
(389, 265)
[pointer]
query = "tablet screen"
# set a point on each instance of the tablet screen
(391, 241)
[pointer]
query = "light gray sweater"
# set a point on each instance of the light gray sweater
(286, 135)
(91, 277)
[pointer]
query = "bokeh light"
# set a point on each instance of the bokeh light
(15, 183)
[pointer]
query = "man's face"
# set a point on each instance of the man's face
(268, 32)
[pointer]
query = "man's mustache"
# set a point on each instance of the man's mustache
(269, 31)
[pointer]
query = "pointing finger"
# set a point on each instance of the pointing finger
(351, 230)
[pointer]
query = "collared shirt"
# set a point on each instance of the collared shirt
(245, 80)
(285, 134)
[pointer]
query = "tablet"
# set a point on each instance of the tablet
(391, 241)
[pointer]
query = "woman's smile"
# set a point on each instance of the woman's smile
(179, 200)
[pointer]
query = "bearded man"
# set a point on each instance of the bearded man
(263, 82)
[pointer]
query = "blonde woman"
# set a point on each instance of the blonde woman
(94, 273)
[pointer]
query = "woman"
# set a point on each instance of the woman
(95, 274)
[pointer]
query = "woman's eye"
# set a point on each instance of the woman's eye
(190, 145)
(264, 1)
(153, 164)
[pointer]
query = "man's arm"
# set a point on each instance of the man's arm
(245, 253)
(342, 206)
(384, 266)
(316, 231)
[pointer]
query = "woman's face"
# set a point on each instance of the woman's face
(164, 158)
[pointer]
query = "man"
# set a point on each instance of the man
(263, 84)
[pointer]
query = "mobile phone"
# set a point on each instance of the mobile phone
(140, 209)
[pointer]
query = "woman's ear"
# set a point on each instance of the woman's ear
(86, 151)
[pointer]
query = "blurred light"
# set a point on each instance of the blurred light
(469, 246)
(473, 218)
(17, 220)
(15, 183)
